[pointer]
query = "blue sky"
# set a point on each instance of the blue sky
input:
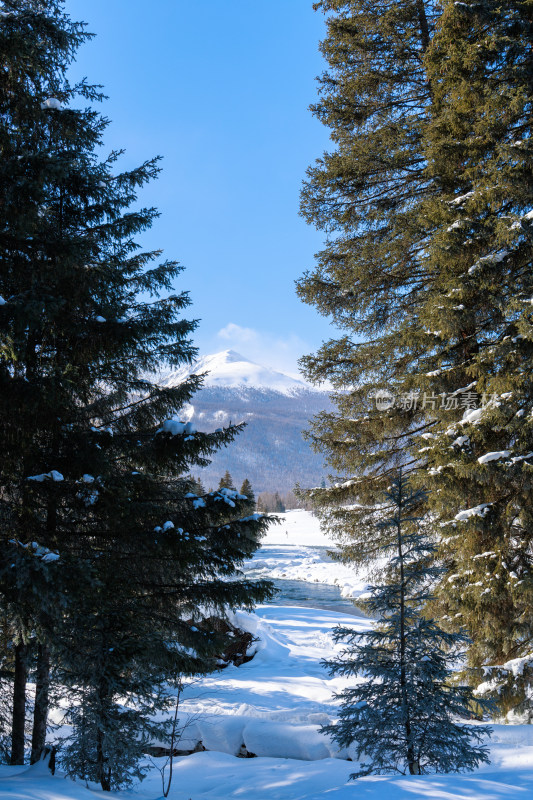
(220, 89)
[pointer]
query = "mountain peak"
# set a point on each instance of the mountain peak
(231, 369)
(231, 355)
(224, 357)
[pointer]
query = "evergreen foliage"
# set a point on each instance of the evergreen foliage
(247, 491)
(480, 144)
(508, 687)
(132, 634)
(368, 195)
(427, 201)
(402, 715)
(36, 46)
(197, 486)
(226, 481)
(105, 546)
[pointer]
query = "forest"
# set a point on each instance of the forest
(123, 580)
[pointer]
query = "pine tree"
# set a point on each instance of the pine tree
(34, 45)
(198, 486)
(132, 635)
(430, 277)
(402, 714)
(109, 544)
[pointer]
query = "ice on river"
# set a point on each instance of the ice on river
(296, 549)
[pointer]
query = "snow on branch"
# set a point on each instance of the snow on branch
(476, 511)
(53, 475)
(51, 104)
(46, 555)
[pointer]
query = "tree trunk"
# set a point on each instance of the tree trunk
(423, 22)
(102, 769)
(19, 704)
(412, 762)
(103, 773)
(166, 789)
(40, 716)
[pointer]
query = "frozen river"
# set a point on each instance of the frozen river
(312, 595)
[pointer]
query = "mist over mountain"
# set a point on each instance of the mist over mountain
(276, 407)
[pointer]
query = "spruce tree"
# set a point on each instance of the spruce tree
(368, 195)
(198, 486)
(127, 639)
(403, 714)
(226, 481)
(104, 548)
(247, 491)
(34, 45)
(430, 277)
(480, 451)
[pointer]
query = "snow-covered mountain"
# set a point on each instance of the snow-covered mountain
(230, 369)
(277, 407)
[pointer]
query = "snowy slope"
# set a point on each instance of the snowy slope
(229, 368)
(217, 776)
(276, 408)
(274, 705)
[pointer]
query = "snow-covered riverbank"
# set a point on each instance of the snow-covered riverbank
(273, 706)
(295, 549)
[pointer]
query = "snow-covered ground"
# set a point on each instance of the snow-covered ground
(273, 705)
(295, 550)
(217, 776)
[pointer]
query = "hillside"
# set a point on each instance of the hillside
(276, 407)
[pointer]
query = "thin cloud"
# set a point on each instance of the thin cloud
(237, 333)
(279, 353)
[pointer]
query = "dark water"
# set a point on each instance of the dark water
(312, 595)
